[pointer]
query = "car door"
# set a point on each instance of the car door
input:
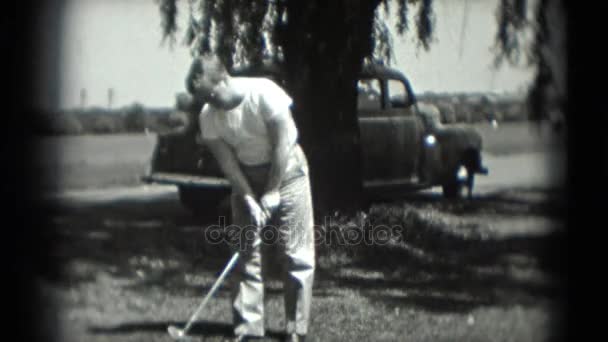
(390, 133)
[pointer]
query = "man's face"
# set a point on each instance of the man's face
(212, 87)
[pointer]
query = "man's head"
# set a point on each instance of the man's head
(207, 79)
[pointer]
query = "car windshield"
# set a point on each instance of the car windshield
(397, 94)
(369, 96)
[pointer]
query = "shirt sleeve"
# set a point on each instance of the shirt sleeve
(207, 124)
(274, 102)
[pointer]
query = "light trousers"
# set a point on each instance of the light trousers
(292, 228)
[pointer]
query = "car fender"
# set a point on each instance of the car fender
(456, 143)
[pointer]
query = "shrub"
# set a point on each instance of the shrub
(64, 123)
(448, 114)
(135, 118)
(45, 122)
(104, 125)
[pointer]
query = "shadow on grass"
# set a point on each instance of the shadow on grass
(152, 243)
(156, 243)
(445, 265)
(199, 329)
(123, 237)
(515, 201)
(439, 286)
(515, 271)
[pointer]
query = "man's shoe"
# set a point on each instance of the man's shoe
(295, 338)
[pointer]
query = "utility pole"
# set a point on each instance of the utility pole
(83, 97)
(110, 97)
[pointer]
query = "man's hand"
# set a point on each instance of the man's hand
(258, 214)
(270, 202)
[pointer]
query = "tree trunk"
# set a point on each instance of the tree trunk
(327, 43)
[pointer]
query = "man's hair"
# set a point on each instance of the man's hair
(202, 64)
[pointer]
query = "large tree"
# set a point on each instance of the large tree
(320, 46)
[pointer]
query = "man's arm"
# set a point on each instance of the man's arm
(277, 130)
(230, 166)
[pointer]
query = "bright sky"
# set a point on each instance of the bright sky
(117, 44)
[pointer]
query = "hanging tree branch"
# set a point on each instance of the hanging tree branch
(511, 18)
(208, 9)
(168, 14)
(381, 40)
(402, 23)
(425, 23)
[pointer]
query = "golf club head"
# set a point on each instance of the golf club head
(175, 332)
(179, 334)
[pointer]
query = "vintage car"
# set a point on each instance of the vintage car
(404, 146)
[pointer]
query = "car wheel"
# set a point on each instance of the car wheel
(453, 188)
(202, 201)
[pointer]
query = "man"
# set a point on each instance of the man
(186, 105)
(248, 126)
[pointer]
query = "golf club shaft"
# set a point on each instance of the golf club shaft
(216, 285)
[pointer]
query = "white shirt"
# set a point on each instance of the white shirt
(244, 127)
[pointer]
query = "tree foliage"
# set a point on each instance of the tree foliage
(320, 46)
(547, 51)
(250, 31)
(135, 118)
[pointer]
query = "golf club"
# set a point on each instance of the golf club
(181, 334)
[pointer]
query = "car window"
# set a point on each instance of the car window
(397, 94)
(369, 96)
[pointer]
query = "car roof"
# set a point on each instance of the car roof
(382, 72)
